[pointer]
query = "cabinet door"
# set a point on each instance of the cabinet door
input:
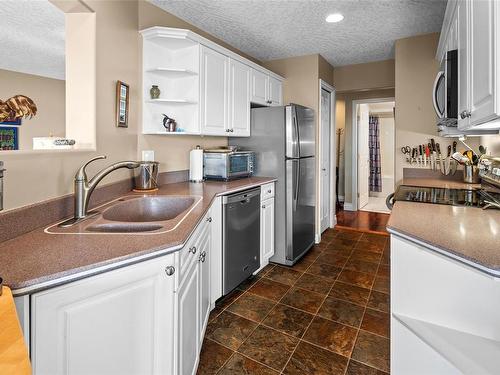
(188, 322)
(482, 61)
(118, 322)
(275, 92)
(267, 230)
(260, 87)
(214, 92)
(463, 64)
(215, 258)
(204, 283)
(239, 99)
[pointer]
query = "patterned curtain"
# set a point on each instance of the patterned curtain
(375, 181)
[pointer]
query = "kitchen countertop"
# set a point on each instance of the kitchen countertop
(37, 260)
(439, 183)
(468, 234)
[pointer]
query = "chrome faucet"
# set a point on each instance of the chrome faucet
(84, 188)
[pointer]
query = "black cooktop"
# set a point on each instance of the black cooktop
(452, 197)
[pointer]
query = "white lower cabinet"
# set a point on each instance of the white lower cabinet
(113, 323)
(146, 318)
(267, 230)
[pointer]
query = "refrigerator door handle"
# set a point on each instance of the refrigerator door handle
(296, 138)
(297, 185)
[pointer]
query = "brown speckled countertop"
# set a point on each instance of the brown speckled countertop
(468, 234)
(37, 259)
(439, 183)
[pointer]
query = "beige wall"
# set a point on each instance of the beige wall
(36, 177)
(325, 70)
(368, 76)
(416, 69)
(48, 95)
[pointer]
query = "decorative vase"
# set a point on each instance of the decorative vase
(154, 92)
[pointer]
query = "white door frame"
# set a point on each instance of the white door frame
(333, 218)
(354, 187)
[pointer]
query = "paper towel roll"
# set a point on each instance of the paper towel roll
(196, 165)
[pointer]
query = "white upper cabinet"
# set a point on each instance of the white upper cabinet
(260, 88)
(206, 88)
(266, 90)
(483, 98)
(239, 99)
(275, 92)
(473, 28)
(214, 92)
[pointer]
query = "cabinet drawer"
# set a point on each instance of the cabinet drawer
(267, 191)
(191, 251)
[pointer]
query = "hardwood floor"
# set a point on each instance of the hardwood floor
(371, 222)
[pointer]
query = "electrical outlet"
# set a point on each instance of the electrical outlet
(148, 155)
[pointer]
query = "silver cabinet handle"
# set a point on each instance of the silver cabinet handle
(192, 249)
(202, 257)
(465, 114)
(209, 219)
(170, 270)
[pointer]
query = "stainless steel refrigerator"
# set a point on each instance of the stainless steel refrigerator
(284, 142)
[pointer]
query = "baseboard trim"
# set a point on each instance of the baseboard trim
(348, 206)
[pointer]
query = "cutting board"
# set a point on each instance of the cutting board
(14, 359)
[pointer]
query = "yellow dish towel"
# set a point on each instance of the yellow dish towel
(14, 358)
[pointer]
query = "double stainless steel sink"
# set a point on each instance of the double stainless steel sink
(134, 214)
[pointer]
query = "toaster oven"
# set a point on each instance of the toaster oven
(227, 165)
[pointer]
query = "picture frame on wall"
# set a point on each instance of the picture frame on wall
(9, 138)
(16, 122)
(122, 104)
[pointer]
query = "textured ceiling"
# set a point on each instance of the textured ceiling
(273, 29)
(32, 37)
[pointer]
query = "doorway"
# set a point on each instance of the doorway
(374, 131)
(326, 157)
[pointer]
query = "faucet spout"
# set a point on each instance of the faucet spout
(84, 188)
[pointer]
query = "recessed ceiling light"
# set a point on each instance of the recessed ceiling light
(335, 17)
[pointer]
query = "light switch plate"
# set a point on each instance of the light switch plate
(148, 155)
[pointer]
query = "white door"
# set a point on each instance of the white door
(204, 284)
(325, 158)
(482, 61)
(260, 87)
(363, 155)
(275, 92)
(118, 322)
(267, 230)
(214, 92)
(463, 63)
(239, 96)
(188, 321)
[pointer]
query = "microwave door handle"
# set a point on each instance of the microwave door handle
(439, 76)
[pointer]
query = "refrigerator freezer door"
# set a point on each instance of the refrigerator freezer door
(306, 130)
(291, 132)
(300, 206)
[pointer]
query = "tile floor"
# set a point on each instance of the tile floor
(373, 222)
(326, 315)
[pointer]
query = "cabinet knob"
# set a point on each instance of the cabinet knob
(209, 219)
(170, 270)
(232, 130)
(465, 114)
(228, 130)
(269, 191)
(192, 249)
(263, 206)
(202, 257)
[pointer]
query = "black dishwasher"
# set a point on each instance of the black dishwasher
(241, 237)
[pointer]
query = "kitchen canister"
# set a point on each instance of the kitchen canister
(154, 92)
(147, 177)
(196, 165)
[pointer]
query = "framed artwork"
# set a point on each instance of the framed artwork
(122, 102)
(16, 122)
(9, 138)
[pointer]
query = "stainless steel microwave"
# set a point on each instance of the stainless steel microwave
(445, 91)
(224, 165)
